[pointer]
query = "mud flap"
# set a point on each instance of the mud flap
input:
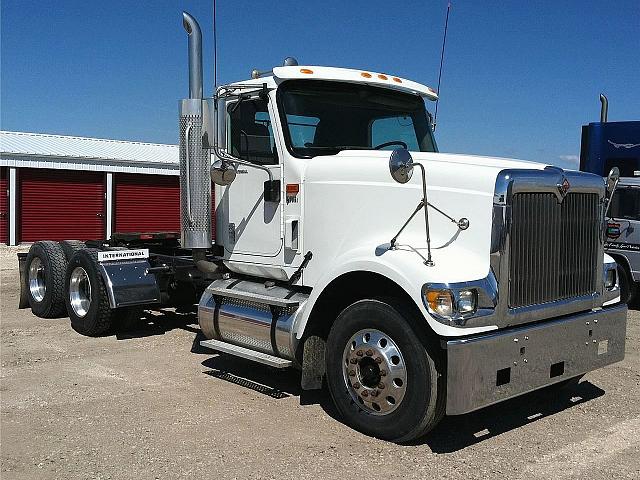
(313, 366)
(24, 292)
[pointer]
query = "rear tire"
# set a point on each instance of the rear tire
(69, 247)
(86, 299)
(44, 279)
(388, 385)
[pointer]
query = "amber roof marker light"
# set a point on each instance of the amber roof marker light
(306, 70)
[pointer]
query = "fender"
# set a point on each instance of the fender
(401, 267)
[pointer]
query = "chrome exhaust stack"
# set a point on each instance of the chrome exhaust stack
(604, 109)
(195, 160)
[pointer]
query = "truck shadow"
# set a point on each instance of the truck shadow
(158, 322)
(273, 382)
(453, 434)
(459, 432)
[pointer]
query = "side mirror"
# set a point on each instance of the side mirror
(272, 191)
(223, 173)
(612, 180)
(401, 165)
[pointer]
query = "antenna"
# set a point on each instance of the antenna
(215, 51)
(444, 42)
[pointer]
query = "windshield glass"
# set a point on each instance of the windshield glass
(323, 118)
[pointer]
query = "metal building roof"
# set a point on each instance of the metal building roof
(39, 150)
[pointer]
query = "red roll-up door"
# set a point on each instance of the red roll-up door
(4, 205)
(61, 205)
(146, 203)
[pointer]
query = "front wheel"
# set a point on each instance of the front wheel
(628, 288)
(383, 377)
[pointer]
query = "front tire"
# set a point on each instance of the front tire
(628, 288)
(44, 279)
(86, 299)
(383, 374)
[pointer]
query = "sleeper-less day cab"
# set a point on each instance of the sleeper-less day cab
(416, 283)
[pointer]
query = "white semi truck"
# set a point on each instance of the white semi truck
(414, 283)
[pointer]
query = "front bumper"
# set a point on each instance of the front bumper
(489, 368)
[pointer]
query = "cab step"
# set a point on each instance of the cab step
(247, 353)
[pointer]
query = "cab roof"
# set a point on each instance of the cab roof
(312, 72)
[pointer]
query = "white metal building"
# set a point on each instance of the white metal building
(60, 187)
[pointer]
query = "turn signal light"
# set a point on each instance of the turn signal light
(292, 188)
(440, 302)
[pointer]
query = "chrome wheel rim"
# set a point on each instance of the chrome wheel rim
(375, 372)
(37, 286)
(79, 291)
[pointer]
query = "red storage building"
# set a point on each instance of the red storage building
(146, 203)
(58, 187)
(4, 206)
(60, 205)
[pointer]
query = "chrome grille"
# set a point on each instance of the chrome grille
(553, 250)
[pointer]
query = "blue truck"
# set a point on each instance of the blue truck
(606, 145)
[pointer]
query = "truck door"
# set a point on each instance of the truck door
(253, 224)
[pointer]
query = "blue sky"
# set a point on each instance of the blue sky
(520, 78)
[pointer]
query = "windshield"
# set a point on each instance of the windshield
(323, 118)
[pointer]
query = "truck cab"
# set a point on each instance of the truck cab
(296, 122)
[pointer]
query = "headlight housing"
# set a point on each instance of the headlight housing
(451, 305)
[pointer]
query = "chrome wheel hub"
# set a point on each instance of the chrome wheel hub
(37, 286)
(374, 371)
(80, 291)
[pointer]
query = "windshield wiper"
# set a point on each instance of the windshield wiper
(333, 147)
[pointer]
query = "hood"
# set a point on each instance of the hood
(351, 201)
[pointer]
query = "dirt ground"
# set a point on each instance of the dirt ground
(152, 404)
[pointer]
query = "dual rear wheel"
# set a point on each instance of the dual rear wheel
(64, 278)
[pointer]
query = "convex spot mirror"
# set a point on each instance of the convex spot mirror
(612, 180)
(401, 165)
(223, 173)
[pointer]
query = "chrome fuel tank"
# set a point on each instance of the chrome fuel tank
(251, 315)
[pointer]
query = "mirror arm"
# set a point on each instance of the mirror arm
(610, 199)
(422, 205)
(225, 157)
(395, 238)
(429, 261)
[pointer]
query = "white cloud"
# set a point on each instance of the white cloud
(569, 158)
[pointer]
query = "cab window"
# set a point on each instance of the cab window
(251, 134)
(395, 131)
(625, 204)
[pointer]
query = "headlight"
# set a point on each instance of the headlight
(610, 279)
(467, 301)
(452, 304)
(440, 302)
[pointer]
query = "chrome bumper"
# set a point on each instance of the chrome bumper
(489, 368)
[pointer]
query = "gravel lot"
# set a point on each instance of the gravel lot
(152, 404)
